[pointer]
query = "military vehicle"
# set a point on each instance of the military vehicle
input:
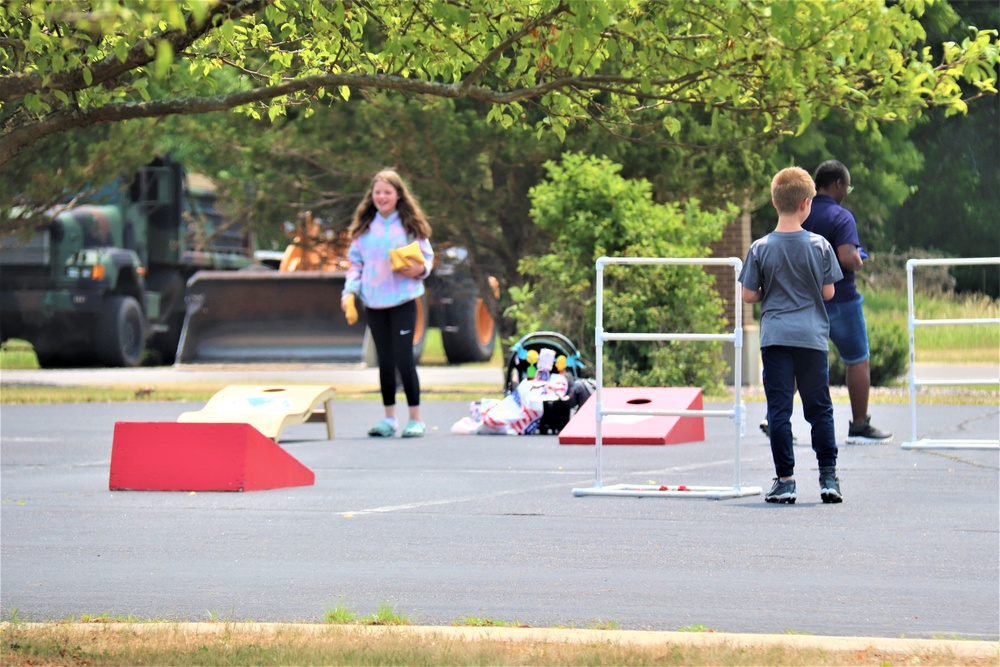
(150, 261)
(106, 275)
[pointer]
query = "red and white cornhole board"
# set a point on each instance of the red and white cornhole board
(637, 429)
(170, 456)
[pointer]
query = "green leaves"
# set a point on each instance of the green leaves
(591, 211)
(767, 64)
(164, 59)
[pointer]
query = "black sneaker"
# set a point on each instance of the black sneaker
(781, 492)
(767, 432)
(829, 486)
(866, 434)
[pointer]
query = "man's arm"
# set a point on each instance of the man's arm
(751, 296)
(828, 291)
(849, 257)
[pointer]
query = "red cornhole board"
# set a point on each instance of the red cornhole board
(169, 456)
(637, 429)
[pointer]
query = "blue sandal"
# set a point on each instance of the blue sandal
(383, 429)
(414, 429)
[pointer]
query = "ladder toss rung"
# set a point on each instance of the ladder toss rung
(737, 413)
(726, 338)
(929, 443)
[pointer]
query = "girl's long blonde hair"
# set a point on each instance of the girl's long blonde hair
(410, 213)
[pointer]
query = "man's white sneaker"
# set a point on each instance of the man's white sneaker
(866, 434)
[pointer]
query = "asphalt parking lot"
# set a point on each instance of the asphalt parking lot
(449, 526)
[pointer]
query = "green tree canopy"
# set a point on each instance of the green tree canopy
(929, 185)
(774, 64)
(952, 211)
(590, 210)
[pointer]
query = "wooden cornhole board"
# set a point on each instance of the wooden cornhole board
(637, 429)
(167, 456)
(268, 408)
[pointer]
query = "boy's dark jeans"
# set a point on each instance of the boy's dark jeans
(784, 367)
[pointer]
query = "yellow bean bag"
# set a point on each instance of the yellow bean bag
(400, 257)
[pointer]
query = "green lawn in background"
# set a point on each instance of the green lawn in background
(934, 344)
(434, 352)
(17, 354)
(962, 343)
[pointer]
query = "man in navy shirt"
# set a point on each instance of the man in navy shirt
(848, 329)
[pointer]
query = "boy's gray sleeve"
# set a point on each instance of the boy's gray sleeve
(831, 265)
(750, 273)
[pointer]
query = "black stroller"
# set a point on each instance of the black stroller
(520, 367)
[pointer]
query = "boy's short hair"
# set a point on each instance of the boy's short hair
(789, 187)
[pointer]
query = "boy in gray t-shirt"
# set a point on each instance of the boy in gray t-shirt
(791, 272)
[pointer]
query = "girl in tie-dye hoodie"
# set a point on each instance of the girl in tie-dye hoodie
(390, 217)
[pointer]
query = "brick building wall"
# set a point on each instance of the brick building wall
(735, 242)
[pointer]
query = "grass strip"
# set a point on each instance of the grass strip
(237, 644)
(20, 394)
(14, 394)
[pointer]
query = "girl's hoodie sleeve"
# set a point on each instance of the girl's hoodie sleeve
(353, 282)
(428, 252)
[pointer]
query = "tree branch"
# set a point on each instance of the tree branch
(12, 143)
(512, 39)
(18, 85)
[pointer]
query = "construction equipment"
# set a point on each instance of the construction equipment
(106, 276)
(293, 313)
(455, 305)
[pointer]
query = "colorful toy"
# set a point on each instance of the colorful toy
(545, 360)
(518, 362)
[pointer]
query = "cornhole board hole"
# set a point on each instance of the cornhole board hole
(637, 429)
(170, 456)
(268, 408)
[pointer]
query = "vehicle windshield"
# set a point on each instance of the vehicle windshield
(107, 194)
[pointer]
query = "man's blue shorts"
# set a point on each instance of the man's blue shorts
(848, 329)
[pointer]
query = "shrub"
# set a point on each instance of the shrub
(591, 211)
(886, 271)
(888, 343)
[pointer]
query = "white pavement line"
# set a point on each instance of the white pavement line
(25, 439)
(385, 509)
(694, 466)
(469, 471)
(432, 503)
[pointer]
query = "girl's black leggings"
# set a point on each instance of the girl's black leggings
(392, 330)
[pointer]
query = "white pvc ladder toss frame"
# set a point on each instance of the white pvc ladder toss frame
(931, 443)
(737, 413)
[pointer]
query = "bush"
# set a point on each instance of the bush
(888, 343)
(886, 271)
(590, 211)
